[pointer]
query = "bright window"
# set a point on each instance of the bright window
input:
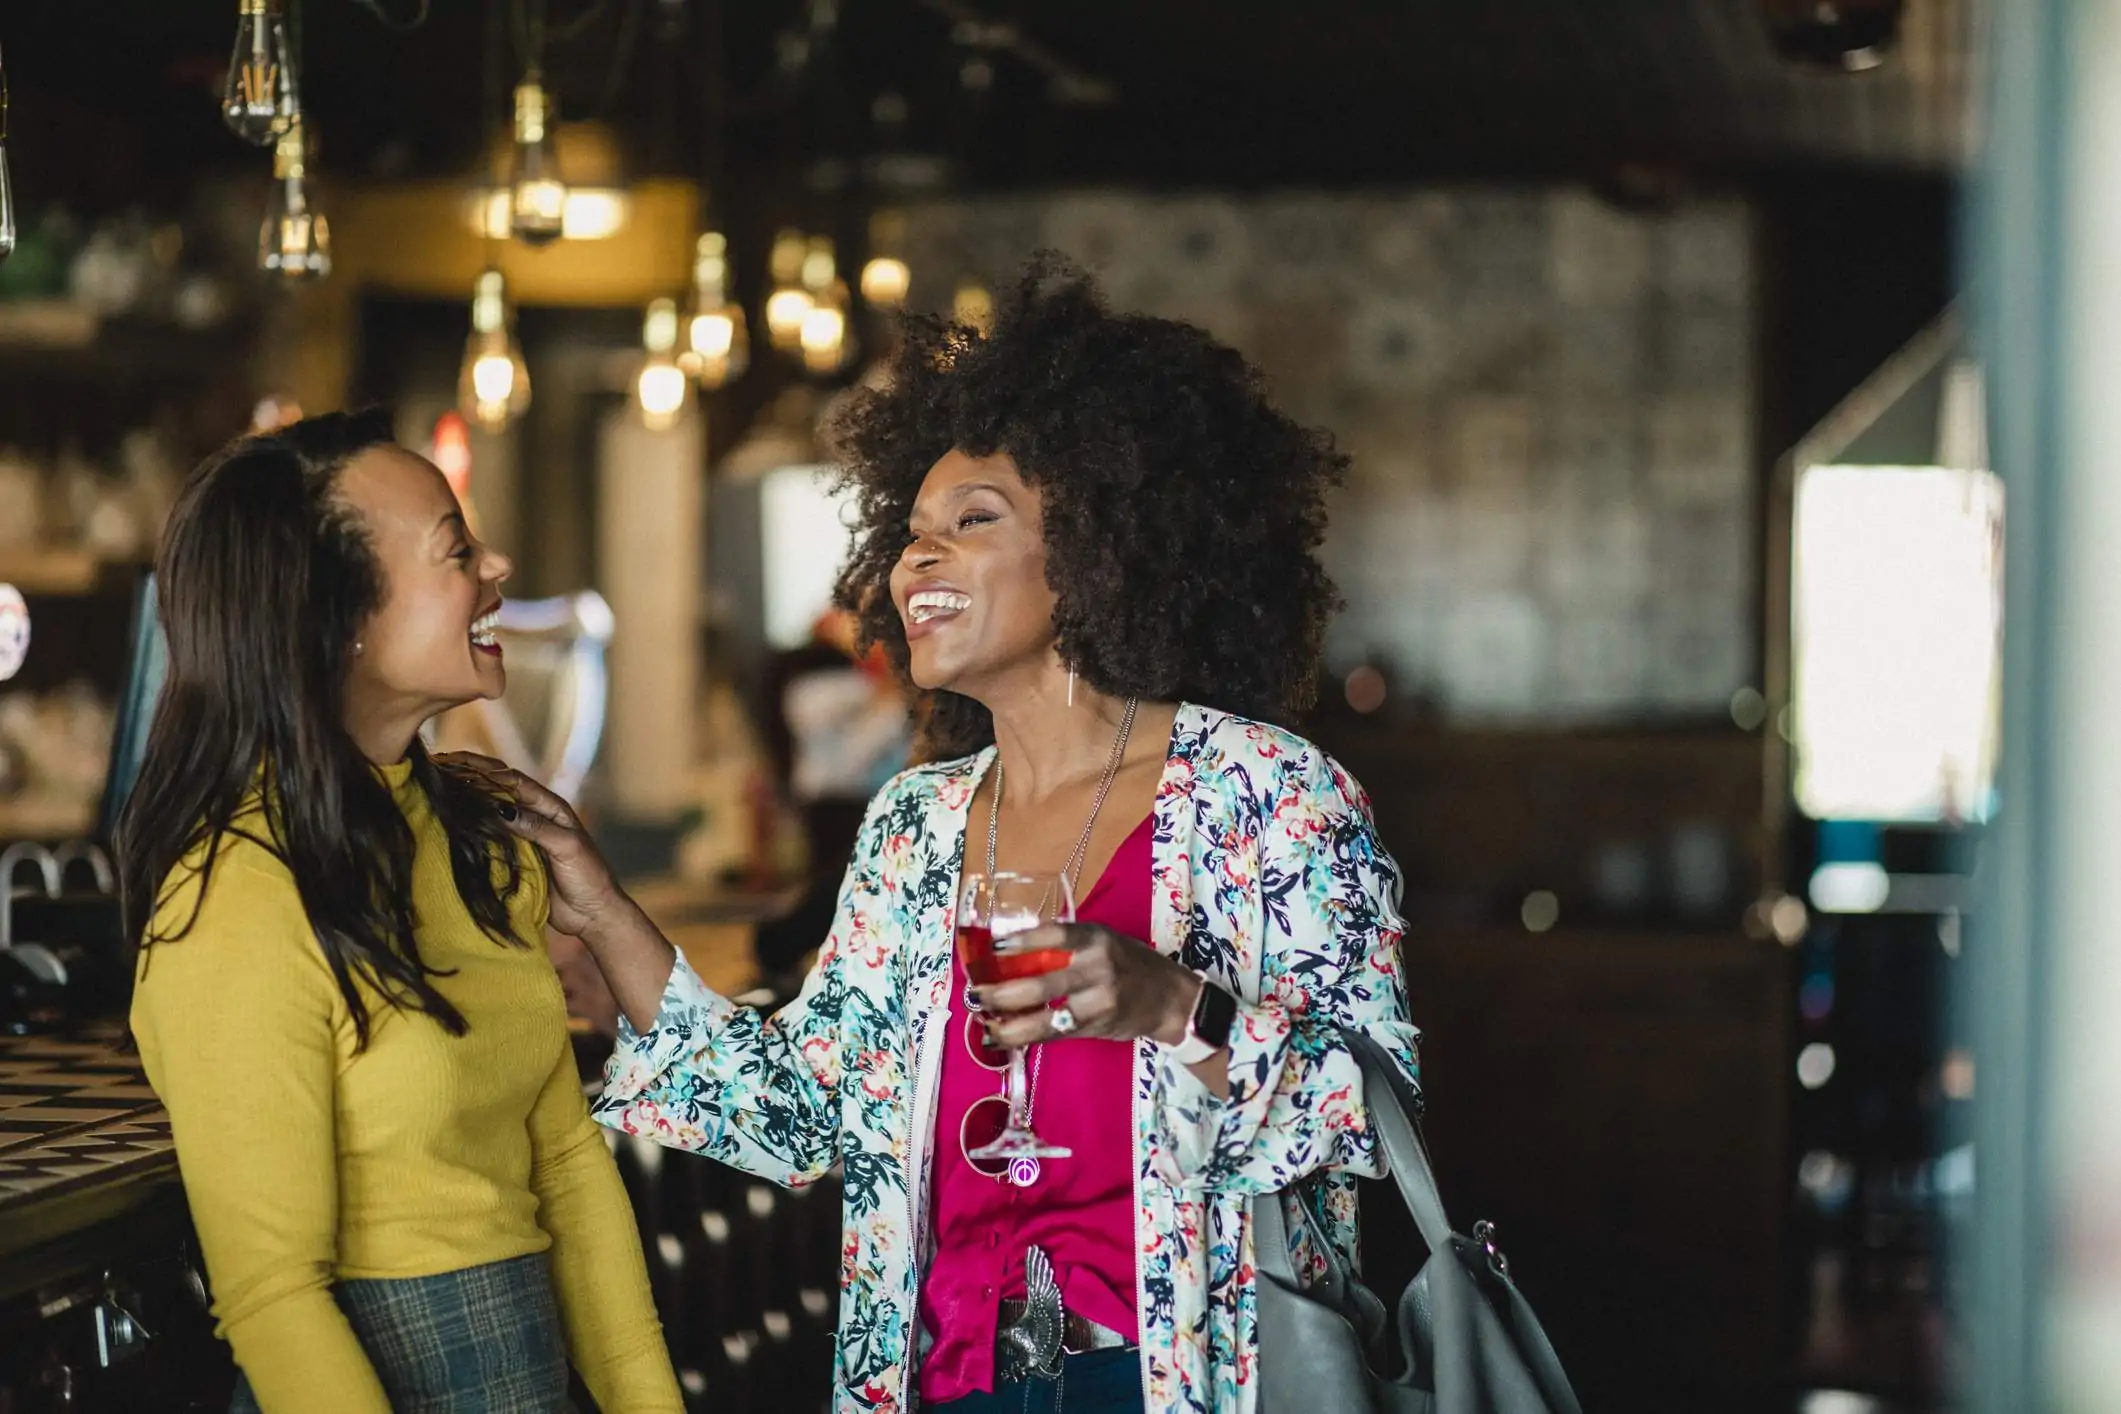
(1896, 604)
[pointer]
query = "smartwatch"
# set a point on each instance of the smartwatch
(1208, 1030)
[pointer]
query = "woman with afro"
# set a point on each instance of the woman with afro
(1090, 542)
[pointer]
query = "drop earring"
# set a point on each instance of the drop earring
(1071, 687)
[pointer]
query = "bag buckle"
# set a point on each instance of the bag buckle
(1484, 1233)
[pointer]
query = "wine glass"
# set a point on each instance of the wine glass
(990, 909)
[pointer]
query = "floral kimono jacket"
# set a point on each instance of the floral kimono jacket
(1267, 877)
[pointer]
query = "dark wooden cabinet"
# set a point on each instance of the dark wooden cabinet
(1615, 1104)
(103, 1301)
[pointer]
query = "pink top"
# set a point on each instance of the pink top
(1081, 1210)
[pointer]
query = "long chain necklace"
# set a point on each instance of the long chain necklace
(1024, 1172)
(1104, 788)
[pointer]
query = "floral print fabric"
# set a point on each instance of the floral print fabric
(1268, 878)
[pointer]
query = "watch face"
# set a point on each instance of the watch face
(1212, 1015)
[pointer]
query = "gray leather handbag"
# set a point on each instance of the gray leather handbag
(1461, 1340)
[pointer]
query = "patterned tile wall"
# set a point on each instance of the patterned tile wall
(1550, 518)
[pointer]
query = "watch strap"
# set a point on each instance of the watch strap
(1208, 1029)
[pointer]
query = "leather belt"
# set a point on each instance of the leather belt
(1079, 1334)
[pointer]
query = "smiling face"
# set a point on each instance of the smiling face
(971, 586)
(430, 644)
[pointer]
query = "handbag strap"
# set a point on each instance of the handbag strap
(1272, 1254)
(1270, 1239)
(1388, 1099)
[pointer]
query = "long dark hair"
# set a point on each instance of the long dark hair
(264, 577)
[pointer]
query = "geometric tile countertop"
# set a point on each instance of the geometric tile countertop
(75, 1113)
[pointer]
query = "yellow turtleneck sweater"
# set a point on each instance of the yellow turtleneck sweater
(307, 1162)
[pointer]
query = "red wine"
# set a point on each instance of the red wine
(986, 965)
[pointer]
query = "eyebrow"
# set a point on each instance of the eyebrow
(960, 492)
(453, 516)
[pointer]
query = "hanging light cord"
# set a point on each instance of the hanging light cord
(494, 113)
(621, 58)
(394, 24)
(293, 77)
(532, 33)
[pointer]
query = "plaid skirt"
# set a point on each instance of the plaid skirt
(485, 1340)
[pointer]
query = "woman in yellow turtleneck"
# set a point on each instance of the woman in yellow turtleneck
(343, 994)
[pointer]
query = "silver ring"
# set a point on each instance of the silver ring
(1063, 1020)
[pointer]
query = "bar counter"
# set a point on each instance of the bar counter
(102, 1295)
(83, 1141)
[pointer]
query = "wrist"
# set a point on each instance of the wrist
(617, 913)
(1177, 1021)
(1206, 1033)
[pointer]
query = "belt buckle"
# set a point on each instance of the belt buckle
(1031, 1345)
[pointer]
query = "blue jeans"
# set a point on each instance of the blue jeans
(1101, 1382)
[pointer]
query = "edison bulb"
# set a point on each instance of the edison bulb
(537, 208)
(710, 265)
(821, 330)
(790, 301)
(885, 281)
(886, 277)
(494, 385)
(257, 74)
(822, 334)
(820, 267)
(712, 335)
(717, 347)
(662, 389)
(824, 337)
(295, 240)
(785, 313)
(494, 382)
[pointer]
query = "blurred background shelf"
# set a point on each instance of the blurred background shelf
(41, 325)
(48, 340)
(46, 815)
(58, 571)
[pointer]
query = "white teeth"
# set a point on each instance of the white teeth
(931, 603)
(484, 630)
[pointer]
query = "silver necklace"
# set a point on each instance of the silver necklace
(1104, 788)
(1024, 1172)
